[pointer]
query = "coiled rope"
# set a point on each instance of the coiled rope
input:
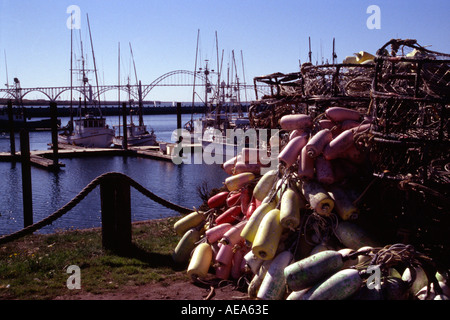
(81, 195)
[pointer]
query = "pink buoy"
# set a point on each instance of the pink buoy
(225, 254)
(292, 150)
(216, 233)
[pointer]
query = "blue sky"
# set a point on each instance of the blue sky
(272, 35)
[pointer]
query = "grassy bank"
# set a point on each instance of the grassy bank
(35, 266)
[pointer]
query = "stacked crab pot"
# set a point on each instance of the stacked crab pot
(291, 231)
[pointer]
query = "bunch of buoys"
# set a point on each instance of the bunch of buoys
(292, 231)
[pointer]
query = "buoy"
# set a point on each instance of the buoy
(317, 143)
(239, 180)
(218, 200)
(233, 235)
(182, 251)
(341, 285)
(317, 197)
(305, 166)
(296, 121)
(289, 155)
(250, 229)
(268, 236)
(189, 221)
(352, 236)
(339, 114)
(216, 233)
(273, 286)
(200, 261)
(265, 184)
(253, 262)
(229, 216)
(324, 171)
(343, 203)
(225, 254)
(310, 270)
(290, 206)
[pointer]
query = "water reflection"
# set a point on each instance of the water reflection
(52, 190)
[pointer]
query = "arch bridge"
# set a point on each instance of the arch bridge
(137, 91)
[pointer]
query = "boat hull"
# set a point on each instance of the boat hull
(220, 150)
(144, 140)
(99, 139)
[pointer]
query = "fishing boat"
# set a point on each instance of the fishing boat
(137, 135)
(88, 130)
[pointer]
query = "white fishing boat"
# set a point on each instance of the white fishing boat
(136, 136)
(88, 131)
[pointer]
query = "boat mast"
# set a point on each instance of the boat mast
(71, 73)
(95, 67)
(195, 72)
(6, 70)
(118, 86)
(141, 120)
(310, 53)
(238, 96)
(243, 73)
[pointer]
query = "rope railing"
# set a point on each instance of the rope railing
(81, 195)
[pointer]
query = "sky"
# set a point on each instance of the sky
(270, 35)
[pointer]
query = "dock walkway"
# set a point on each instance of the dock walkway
(43, 158)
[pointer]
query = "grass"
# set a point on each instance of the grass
(35, 267)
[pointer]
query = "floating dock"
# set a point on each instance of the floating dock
(44, 158)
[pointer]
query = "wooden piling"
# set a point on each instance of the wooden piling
(26, 178)
(178, 115)
(12, 140)
(54, 124)
(125, 133)
(116, 214)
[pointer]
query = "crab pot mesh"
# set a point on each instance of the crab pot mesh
(411, 70)
(349, 80)
(410, 108)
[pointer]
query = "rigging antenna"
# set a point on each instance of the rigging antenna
(93, 58)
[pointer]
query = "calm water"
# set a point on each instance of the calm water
(51, 190)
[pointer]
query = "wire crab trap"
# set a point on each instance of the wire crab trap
(410, 107)
(312, 91)
(338, 80)
(409, 138)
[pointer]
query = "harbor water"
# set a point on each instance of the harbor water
(52, 190)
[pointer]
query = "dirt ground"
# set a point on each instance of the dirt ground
(174, 290)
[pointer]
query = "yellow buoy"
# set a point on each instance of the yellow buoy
(237, 181)
(189, 221)
(200, 261)
(363, 56)
(290, 206)
(317, 197)
(268, 236)
(251, 227)
(265, 184)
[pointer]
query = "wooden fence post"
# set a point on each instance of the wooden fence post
(116, 214)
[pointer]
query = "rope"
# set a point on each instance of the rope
(81, 195)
